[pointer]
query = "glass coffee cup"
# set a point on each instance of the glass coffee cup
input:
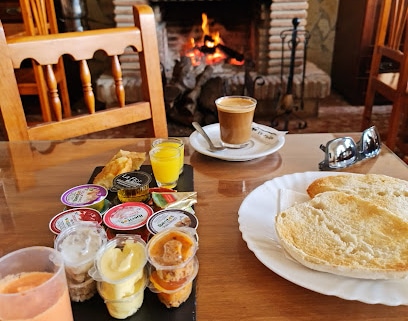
(235, 115)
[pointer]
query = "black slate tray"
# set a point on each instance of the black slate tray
(152, 309)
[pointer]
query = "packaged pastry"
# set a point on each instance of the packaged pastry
(122, 162)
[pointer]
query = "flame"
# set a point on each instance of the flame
(205, 49)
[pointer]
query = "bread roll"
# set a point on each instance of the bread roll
(388, 192)
(345, 235)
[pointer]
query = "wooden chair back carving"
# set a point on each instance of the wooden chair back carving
(39, 18)
(390, 49)
(46, 51)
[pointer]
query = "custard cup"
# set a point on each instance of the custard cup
(121, 264)
(125, 306)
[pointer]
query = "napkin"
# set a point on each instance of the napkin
(288, 198)
(266, 135)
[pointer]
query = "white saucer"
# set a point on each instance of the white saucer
(264, 141)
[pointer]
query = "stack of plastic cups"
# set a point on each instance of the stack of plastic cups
(120, 271)
(78, 245)
(173, 264)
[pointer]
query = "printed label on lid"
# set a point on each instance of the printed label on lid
(67, 218)
(84, 195)
(161, 220)
(127, 216)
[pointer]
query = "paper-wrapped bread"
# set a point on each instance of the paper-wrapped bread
(123, 161)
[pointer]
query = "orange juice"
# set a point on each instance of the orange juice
(172, 142)
(56, 306)
(165, 161)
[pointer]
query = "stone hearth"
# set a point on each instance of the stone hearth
(272, 18)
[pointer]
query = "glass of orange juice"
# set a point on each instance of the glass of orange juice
(165, 161)
(174, 142)
(33, 286)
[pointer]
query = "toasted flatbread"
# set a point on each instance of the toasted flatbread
(346, 235)
(386, 191)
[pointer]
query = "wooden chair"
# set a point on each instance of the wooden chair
(81, 46)
(391, 47)
(39, 18)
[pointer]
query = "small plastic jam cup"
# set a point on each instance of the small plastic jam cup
(132, 186)
(128, 218)
(167, 218)
(67, 218)
(87, 195)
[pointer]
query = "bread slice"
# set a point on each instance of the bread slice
(346, 235)
(388, 192)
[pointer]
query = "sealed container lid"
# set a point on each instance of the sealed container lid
(120, 260)
(131, 180)
(67, 218)
(79, 243)
(127, 216)
(172, 248)
(167, 218)
(84, 195)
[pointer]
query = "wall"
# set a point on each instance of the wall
(321, 23)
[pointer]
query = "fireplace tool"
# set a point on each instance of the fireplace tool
(286, 108)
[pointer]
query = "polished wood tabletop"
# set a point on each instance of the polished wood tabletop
(232, 283)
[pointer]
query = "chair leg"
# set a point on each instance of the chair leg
(42, 93)
(368, 106)
(63, 88)
(394, 124)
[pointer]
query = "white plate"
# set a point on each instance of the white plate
(257, 224)
(255, 149)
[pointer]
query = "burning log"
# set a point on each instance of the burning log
(186, 109)
(210, 47)
(182, 80)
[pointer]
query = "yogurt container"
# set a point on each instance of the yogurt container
(132, 186)
(78, 246)
(88, 195)
(120, 264)
(67, 218)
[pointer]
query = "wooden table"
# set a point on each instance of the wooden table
(232, 284)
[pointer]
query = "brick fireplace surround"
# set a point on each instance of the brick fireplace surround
(270, 19)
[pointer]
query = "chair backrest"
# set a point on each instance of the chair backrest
(39, 17)
(81, 46)
(389, 67)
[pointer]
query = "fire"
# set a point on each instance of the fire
(210, 48)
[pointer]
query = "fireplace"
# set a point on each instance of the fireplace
(251, 28)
